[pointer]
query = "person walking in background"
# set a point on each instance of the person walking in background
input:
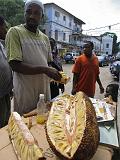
(28, 50)
(56, 63)
(86, 72)
(5, 78)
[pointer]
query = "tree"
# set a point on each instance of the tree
(12, 11)
(119, 46)
(115, 48)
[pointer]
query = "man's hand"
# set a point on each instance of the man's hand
(62, 90)
(101, 90)
(62, 87)
(73, 92)
(53, 73)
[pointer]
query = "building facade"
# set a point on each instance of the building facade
(102, 44)
(96, 41)
(64, 27)
(107, 44)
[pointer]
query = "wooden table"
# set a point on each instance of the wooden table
(6, 149)
(107, 137)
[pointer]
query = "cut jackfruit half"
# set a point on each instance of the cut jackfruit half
(71, 128)
(23, 142)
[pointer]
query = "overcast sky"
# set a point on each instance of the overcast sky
(95, 13)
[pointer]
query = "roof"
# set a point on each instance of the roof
(77, 20)
(89, 36)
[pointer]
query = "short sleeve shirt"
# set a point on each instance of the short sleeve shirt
(30, 48)
(88, 70)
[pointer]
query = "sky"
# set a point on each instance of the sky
(95, 13)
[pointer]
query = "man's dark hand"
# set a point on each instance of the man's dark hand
(11, 94)
(53, 73)
(73, 92)
(101, 90)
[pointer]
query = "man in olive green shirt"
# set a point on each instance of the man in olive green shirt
(28, 50)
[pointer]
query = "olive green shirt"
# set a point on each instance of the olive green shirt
(31, 48)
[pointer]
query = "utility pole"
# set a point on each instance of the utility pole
(100, 44)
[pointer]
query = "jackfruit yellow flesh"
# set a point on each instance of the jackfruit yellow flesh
(23, 142)
(64, 78)
(70, 127)
(67, 127)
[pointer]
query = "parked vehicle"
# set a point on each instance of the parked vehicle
(70, 56)
(118, 56)
(115, 69)
(103, 60)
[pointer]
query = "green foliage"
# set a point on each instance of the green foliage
(108, 33)
(115, 48)
(12, 11)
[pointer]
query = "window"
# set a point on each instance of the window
(70, 22)
(50, 34)
(64, 18)
(74, 38)
(69, 38)
(107, 45)
(56, 35)
(106, 52)
(57, 14)
(64, 36)
(78, 29)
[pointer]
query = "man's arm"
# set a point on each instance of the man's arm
(28, 69)
(100, 85)
(75, 81)
(118, 110)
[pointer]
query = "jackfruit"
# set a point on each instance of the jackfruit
(73, 132)
(24, 143)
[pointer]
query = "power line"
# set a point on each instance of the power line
(99, 31)
(102, 27)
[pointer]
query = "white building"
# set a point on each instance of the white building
(96, 41)
(102, 44)
(62, 26)
(66, 29)
(107, 44)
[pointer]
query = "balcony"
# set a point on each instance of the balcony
(76, 31)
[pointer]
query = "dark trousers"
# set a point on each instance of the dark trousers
(5, 108)
(54, 88)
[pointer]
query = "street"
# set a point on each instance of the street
(105, 77)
